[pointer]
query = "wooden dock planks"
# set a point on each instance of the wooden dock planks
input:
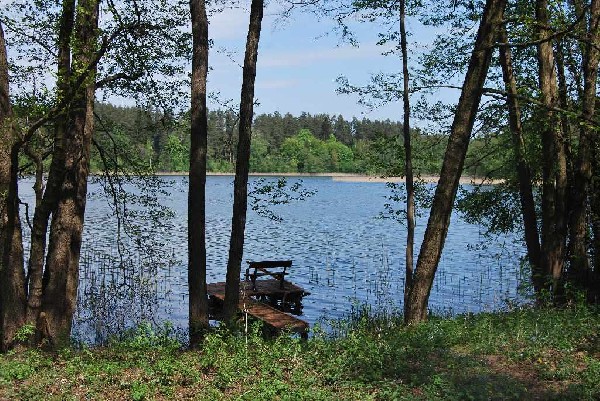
(271, 316)
(269, 287)
(274, 317)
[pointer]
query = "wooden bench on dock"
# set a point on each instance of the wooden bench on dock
(265, 268)
(267, 300)
(272, 317)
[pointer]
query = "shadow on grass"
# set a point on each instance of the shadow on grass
(472, 359)
(449, 375)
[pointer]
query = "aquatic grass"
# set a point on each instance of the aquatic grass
(123, 285)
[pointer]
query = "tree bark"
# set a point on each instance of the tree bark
(554, 168)
(44, 208)
(240, 197)
(458, 142)
(410, 189)
(198, 302)
(532, 238)
(579, 269)
(12, 277)
(594, 282)
(62, 263)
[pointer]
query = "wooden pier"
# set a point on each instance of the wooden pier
(267, 300)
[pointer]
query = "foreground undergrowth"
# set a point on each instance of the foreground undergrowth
(520, 355)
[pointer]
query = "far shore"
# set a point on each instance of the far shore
(349, 177)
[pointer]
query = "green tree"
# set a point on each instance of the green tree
(304, 153)
(67, 37)
(439, 217)
(240, 197)
(341, 157)
(177, 158)
(198, 301)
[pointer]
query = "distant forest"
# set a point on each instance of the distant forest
(307, 143)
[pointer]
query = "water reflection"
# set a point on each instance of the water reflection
(342, 254)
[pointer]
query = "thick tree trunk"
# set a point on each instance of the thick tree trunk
(410, 190)
(240, 196)
(198, 302)
(44, 208)
(62, 263)
(532, 238)
(12, 277)
(439, 218)
(579, 269)
(554, 168)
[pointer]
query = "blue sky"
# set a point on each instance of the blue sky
(298, 62)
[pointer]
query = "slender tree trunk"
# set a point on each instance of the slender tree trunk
(554, 168)
(464, 118)
(410, 190)
(573, 58)
(62, 263)
(198, 303)
(240, 197)
(594, 282)
(44, 208)
(12, 277)
(580, 263)
(566, 124)
(532, 239)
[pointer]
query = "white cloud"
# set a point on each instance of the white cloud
(276, 83)
(229, 24)
(306, 57)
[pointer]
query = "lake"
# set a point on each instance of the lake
(342, 252)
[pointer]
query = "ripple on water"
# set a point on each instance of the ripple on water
(342, 253)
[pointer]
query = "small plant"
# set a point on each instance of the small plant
(147, 337)
(139, 391)
(25, 333)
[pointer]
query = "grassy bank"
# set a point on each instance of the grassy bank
(521, 355)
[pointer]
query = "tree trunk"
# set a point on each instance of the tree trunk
(565, 103)
(62, 263)
(43, 209)
(458, 142)
(594, 282)
(240, 196)
(532, 239)
(198, 302)
(579, 261)
(410, 190)
(12, 277)
(554, 168)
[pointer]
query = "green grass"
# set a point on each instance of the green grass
(520, 355)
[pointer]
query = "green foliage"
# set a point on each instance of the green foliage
(263, 158)
(304, 153)
(220, 166)
(394, 208)
(521, 354)
(25, 333)
(177, 155)
(307, 154)
(145, 337)
(267, 193)
(496, 207)
(135, 139)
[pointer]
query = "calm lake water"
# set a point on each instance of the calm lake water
(342, 253)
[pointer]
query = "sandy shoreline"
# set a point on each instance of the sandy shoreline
(424, 178)
(347, 177)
